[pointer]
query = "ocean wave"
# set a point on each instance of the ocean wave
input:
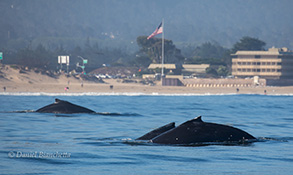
(72, 115)
(126, 94)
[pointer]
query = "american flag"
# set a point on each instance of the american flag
(158, 30)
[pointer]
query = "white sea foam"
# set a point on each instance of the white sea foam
(123, 94)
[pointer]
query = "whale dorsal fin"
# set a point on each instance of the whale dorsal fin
(57, 100)
(197, 119)
(192, 121)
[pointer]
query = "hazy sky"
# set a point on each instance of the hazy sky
(186, 21)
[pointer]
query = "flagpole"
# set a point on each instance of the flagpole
(162, 49)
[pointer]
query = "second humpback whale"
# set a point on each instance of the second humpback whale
(196, 131)
(64, 107)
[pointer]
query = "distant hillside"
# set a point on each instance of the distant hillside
(117, 23)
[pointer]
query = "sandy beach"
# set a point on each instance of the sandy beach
(32, 82)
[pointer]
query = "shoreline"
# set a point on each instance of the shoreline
(16, 82)
(124, 94)
(95, 89)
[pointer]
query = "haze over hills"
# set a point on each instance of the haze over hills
(117, 23)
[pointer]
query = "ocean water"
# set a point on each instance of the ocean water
(35, 143)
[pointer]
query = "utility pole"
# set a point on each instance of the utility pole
(84, 61)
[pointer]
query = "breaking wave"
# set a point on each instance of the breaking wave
(123, 94)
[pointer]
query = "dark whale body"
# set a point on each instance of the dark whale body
(196, 131)
(156, 132)
(63, 107)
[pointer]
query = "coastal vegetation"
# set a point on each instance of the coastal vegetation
(149, 52)
(34, 33)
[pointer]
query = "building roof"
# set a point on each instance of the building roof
(166, 66)
(195, 66)
(271, 51)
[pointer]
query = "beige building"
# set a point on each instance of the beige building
(169, 68)
(159, 66)
(276, 63)
(188, 69)
(181, 69)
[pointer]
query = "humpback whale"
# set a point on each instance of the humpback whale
(63, 107)
(154, 133)
(196, 131)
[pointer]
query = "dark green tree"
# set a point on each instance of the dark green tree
(209, 50)
(248, 43)
(141, 61)
(153, 49)
(211, 71)
(209, 53)
(40, 58)
(222, 71)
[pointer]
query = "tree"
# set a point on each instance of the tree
(222, 71)
(153, 49)
(142, 61)
(209, 53)
(248, 43)
(209, 50)
(40, 58)
(211, 70)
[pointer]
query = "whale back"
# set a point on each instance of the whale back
(64, 107)
(156, 132)
(197, 131)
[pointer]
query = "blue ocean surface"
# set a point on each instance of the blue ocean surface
(38, 143)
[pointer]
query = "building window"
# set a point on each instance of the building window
(268, 63)
(248, 63)
(268, 70)
(279, 70)
(258, 63)
(273, 63)
(258, 70)
(248, 70)
(263, 63)
(263, 70)
(279, 63)
(257, 56)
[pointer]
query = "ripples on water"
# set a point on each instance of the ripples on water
(103, 143)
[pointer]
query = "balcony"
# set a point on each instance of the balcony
(248, 74)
